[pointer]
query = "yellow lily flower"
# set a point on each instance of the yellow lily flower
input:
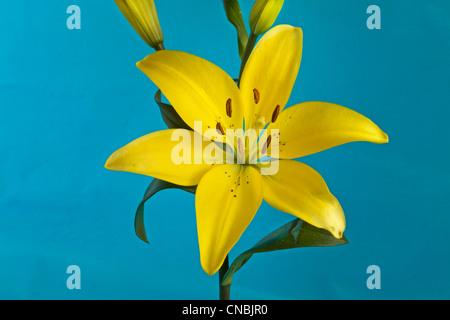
(229, 195)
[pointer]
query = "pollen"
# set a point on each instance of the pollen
(275, 113)
(256, 95)
(229, 108)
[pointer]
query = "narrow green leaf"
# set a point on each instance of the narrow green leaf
(169, 115)
(295, 234)
(154, 187)
(234, 15)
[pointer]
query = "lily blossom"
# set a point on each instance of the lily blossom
(229, 195)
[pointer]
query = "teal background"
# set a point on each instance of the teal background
(69, 98)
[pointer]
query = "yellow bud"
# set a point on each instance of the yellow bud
(264, 14)
(142, 16)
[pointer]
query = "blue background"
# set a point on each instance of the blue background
(69, 98)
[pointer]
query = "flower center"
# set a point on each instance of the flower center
(249, 145)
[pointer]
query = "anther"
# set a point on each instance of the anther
(256, 95)
(275, 113)
(266, 144)
(229, 108)
(269, 140)
(219, 128)
(240, 146)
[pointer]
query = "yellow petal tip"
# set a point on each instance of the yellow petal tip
(113, 162)
(381, 137)
(378, 135)
(139, 64)
(210, 273)
(338, 234)
(208, 268)
(109, 163)
(299, 30)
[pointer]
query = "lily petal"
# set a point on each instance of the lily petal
(197, 89)
(310, 127)
(299, 190)
(270, 73)
(158, 156)
(227, 198)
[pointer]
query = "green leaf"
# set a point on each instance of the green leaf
(234, 15)
(169, 115)
(295, 234)
(154, 187)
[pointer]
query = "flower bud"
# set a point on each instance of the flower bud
(234, 15)
(142, 16)
(263, 15)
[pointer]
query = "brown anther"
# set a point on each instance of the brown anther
(219, 128)
(256, 95)
(275, 113)
(267, 144)
(269, 140)
(229, 108)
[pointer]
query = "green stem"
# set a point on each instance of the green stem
(248, 50)
(224, 291)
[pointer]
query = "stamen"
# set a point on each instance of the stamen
(229, 108)
(269, 140)
(256, 95)
(266, 144)
(219, 128)
(240, 146)
(275, 113)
